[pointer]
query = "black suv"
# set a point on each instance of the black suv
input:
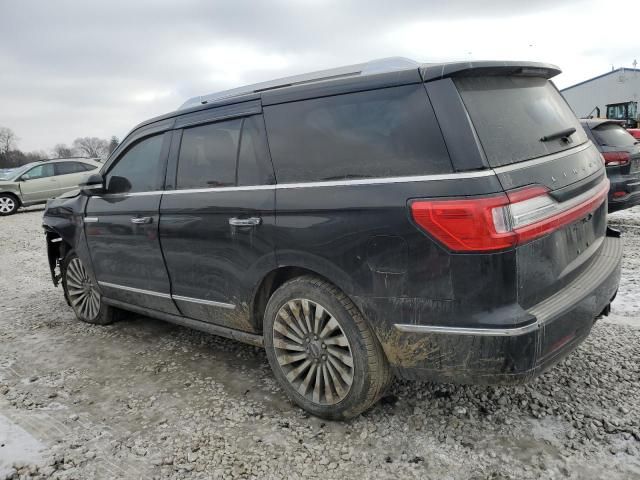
(621, 153)
(444, 222)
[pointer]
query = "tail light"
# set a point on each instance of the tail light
(616, 159)
(502, 221)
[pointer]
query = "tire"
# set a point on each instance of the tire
(81, 293)
(9, 204)
(312, 333)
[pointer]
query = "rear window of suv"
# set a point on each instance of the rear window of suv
(512, 114)
(612, 135)
(389, 132)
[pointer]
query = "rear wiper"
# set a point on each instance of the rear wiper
(566, 133)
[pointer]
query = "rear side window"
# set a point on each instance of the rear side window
(612, 135)
(512, 114)
(208, 155)
(253, 162)
(87, 166)
(65, 168)
(380, 133)
(228, 153)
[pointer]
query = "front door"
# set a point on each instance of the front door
(39, 184)
(121, 227)
(216, 226)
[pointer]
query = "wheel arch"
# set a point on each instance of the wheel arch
(57, 249)
(275, 278)
(13, 195)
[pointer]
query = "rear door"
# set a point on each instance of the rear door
(216, 225)
(531, 138)
(69, 175)
(121, 227)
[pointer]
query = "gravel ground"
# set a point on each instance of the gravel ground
(145, 399)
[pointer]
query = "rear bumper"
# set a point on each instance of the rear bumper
(510, 355)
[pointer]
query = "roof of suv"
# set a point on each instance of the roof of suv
(428, 71)
(389, 72)
(393, 70)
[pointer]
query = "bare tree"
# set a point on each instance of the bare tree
(8, 140)
(62, 151)
(93, 147)
(113, 144)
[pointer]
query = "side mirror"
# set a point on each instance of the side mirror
(93, 185)
(24, 177)
(118, 185)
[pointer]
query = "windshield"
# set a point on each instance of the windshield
(613, 135)
(14, 173)
(512, 114)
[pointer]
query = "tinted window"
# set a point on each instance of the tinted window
(380, 133)
(64, 168)
(253, 162)
(41, 171)
(612, 135)
(512, 114)
(87, 166)
(208, 155)
(139, 169)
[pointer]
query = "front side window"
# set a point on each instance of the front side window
(139, 169)
(208, 155)
(41, 171)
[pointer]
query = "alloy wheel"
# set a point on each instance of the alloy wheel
(7, 204)
(313, 351)
(83, 295)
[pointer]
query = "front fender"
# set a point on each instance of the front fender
(64, 231)
(13, 188)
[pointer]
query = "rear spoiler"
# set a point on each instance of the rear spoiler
(488, 68)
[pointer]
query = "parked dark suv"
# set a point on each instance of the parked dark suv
(444, 222)
(621, 153)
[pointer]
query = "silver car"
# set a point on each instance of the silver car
(37, 182)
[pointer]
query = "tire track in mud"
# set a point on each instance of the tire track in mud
(50, 430)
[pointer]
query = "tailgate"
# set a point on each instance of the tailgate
(547, 264)
(547, 165)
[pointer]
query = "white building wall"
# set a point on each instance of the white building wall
(616, 87)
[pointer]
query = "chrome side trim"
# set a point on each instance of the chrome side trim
(483, 332)
(91, 219)
(382, 181)
(134, 290)
(211, 303)
(547, 158)
(141, 291)
(333, 183)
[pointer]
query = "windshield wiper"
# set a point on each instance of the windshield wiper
(566, 133)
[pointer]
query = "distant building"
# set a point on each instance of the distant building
(615, 94)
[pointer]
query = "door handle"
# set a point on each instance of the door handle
(141, 220)
(245, 222)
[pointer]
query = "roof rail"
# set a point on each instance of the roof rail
(382, 65)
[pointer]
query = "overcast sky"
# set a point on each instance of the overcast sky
(97, 68)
